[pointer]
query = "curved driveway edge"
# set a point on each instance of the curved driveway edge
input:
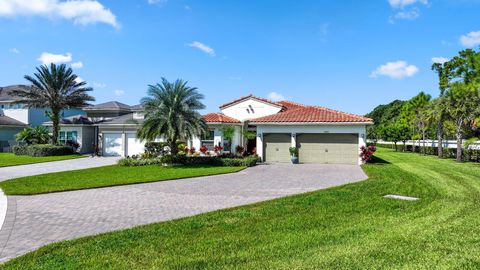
(43, 219)
(3, 207)
(55, 166)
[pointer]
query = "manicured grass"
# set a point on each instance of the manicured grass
(104, 177)
(9, 159)
(348, 227)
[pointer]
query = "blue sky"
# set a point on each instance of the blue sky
(346, 55)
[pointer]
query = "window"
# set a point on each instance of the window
(65, 136)
(208, 139)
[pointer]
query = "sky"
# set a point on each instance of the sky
(347, 55)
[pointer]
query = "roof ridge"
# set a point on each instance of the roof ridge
(250, 96)
(337, 111)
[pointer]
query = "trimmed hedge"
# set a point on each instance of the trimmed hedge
(249, 161)
(42, 150)
(471, 155)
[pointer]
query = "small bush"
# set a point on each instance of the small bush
(42, 150)
(155, 148)
(249, 161)
(366, 153)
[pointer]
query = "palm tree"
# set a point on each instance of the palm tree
(55, 88)
(171, 111)
(439, 112)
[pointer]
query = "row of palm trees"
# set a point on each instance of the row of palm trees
(171, 109)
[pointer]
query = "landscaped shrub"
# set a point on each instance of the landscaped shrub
(42, 150)
(471, 155)
(203, 149)
(366, 153)
(155, 148)
(249, 161)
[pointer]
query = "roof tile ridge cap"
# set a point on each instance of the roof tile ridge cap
(337, 111)
(294, 103)
(275, 114)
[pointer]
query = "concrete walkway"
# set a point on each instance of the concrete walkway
(55, 166)
(34, 221)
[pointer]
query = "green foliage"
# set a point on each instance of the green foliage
(228, 132)
(248, 161)
(171, 111)
(36, 135)
(382, 116)
(155, 149)
(293, 151)
(56, 88)
(42, 150)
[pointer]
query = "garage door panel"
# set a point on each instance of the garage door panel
(277, 147)
(328, 148)
(112, 144)
(134, 145)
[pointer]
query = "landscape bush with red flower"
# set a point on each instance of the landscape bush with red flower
(366, 153)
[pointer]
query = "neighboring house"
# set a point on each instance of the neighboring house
(322, 135)
(15, 116)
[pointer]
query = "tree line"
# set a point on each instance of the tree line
(454, 114)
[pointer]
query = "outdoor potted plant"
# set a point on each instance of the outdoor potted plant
(294, 154)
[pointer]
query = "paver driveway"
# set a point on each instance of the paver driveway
(33, 221)
(55, 166)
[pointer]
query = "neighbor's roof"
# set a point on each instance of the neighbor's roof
(126, 119)
(8, 121)
(298, 113)
(219, 118)
(111, 105)
(73, 120)
(5, 92)
(233, 102)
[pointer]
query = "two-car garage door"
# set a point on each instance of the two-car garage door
(113, 144)
(313, 148)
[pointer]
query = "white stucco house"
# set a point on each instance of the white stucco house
(322, 135)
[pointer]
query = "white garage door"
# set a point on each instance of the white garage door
(112, 144)
(134, 146)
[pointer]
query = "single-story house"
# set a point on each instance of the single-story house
(322, 135)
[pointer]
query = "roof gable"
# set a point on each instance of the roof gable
(248, 97)
(111, 105)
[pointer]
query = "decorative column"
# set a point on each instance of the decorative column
(260, 145)
(294, 140)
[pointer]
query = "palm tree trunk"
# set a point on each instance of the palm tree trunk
(440, 138)
(423, 138)
(459, 141)
(55, 117)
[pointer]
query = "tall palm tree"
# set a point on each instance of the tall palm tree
(56, 88)
(440, 110)
(171, 111)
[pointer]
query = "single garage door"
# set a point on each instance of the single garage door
(112, 144)
(276, 147)
(134, 146)
(328, 148)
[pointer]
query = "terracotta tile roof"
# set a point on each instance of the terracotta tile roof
(219, 118)
(290, 105)
(247, 97)
(298, 113)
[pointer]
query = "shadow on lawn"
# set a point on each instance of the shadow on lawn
(378, 161)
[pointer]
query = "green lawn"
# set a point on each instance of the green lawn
(9, 159)
(348, 227)
(104, 177)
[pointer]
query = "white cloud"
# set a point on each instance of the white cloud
(81, 12)
(77, 65)
(99, 85)
(274, 96)
(439, 60)
(411, 15)
(202, 47)
(14, 50)
(47, 58)
(395, 70)
(403, 11)
(471, 39)
(79, 79)
(404, 3)
(119, 92)
(156, 2)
